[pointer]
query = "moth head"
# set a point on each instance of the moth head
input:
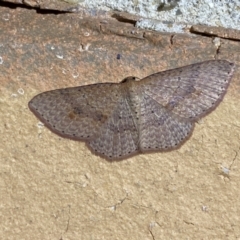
(130, 78)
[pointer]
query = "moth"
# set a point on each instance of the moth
(156, 113)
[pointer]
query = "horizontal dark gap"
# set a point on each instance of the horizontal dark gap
(123, 19)
(38, 10)
(205, 34)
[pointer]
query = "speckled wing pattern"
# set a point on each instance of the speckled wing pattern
(156, 113)
(192, 91)
(119, 135)
(159, 128)
(77, 113)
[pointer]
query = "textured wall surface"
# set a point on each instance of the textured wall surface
(159, 15)
(55, 188)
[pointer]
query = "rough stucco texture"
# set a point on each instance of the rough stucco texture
(54, 188)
